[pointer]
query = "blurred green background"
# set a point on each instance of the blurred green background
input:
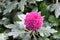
(50, 10)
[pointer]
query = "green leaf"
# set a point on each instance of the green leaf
(16, 18)
(15, 33)
(43, 32)
(57, 35)
(53, 20)
(56, 7)
(46, 31)
(21, 16)
(4, 21)
(39, 0)
(35, 9)
(10, 26)
(2, 36)
(21, 5)
(40, 38)
(10, 7)
(32, 1)
(34, 37)
(47, 39)
(27, 37)
(20, 24)
(0, 10)
(42, 5)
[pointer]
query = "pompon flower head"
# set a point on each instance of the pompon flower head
(33, 21)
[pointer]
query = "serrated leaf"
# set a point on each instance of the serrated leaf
(57, 12)
(15, 32)
(41, 33)
(46, 39)
(21, 5)
(27, 37)
(4, 21)
(16, 17)
(32, 1)
(21, 16)
(10, 7)
(56, 7)
(34, 37)
(10, 26)
(20, 24)
(53, 20)
(57, 35)
(2, 36)
(39, 0)
(46, 31)
(52, 31)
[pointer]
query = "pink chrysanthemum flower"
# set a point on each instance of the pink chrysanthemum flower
(33, 21)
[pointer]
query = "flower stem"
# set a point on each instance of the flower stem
(32, 32)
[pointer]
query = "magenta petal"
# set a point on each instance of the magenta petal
(33, 21)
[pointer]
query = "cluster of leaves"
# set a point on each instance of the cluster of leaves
(12, 13)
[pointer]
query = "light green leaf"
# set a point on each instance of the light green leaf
(0, 10)
(16, 32)
(21, 16)
(16, 18)
(2, 36)
(27, 37)
(34, 37)
(53, 20)
(10, 7)
(21, 5)
(32, 1)
(47, 39)
(57, 35)
(35, 9)
(46, 31)
(39, 0)
(20, 24)
(10, 26)
(56, 7)
(4, 21)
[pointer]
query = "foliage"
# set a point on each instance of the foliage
(12, 13)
